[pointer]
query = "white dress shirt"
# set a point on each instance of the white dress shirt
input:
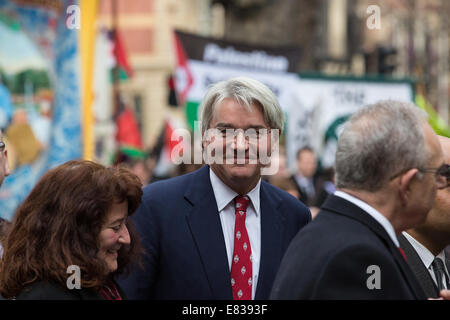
(427, 257)
(373, 213)
(226, 207)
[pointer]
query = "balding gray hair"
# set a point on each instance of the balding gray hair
(378, 142)
(245, 91)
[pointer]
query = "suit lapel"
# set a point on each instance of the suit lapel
(204, 224)
(408, 274)
(418, 268)
(346, 208)
(271, 242)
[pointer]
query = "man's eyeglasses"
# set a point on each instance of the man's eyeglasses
(442, 175)
(2, 146)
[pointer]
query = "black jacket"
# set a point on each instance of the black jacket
(419, 269)
(44, 290)
(331, 258)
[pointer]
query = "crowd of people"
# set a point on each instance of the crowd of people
(373, 227)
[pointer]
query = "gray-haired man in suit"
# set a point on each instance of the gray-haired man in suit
(389, 165)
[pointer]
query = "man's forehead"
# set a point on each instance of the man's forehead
(225, 113)
(249, 106)
(306, 152)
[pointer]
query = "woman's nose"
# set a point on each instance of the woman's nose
(124, 236)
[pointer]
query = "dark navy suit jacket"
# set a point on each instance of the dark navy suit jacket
(334, 258)
(186, 258)
(419, 269)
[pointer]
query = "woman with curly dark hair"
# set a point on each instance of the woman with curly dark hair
(75, 219)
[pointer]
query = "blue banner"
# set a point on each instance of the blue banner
(40, 68)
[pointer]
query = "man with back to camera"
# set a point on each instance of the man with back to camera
(424, 245)
(388, 168)
(219, 232)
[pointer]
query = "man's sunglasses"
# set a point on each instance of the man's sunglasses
(442, 174)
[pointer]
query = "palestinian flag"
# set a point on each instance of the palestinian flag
(120, 55)
(183, 79)
(173, 97)
(128, 135)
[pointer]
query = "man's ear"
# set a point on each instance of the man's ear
(405, 182)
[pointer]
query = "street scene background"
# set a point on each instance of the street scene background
(111, 80)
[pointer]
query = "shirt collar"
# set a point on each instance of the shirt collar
(373, 213)
(425, 255)
(224, 194)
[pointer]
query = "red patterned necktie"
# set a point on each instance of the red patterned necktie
(241, 265)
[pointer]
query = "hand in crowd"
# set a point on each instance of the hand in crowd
(445, 294)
